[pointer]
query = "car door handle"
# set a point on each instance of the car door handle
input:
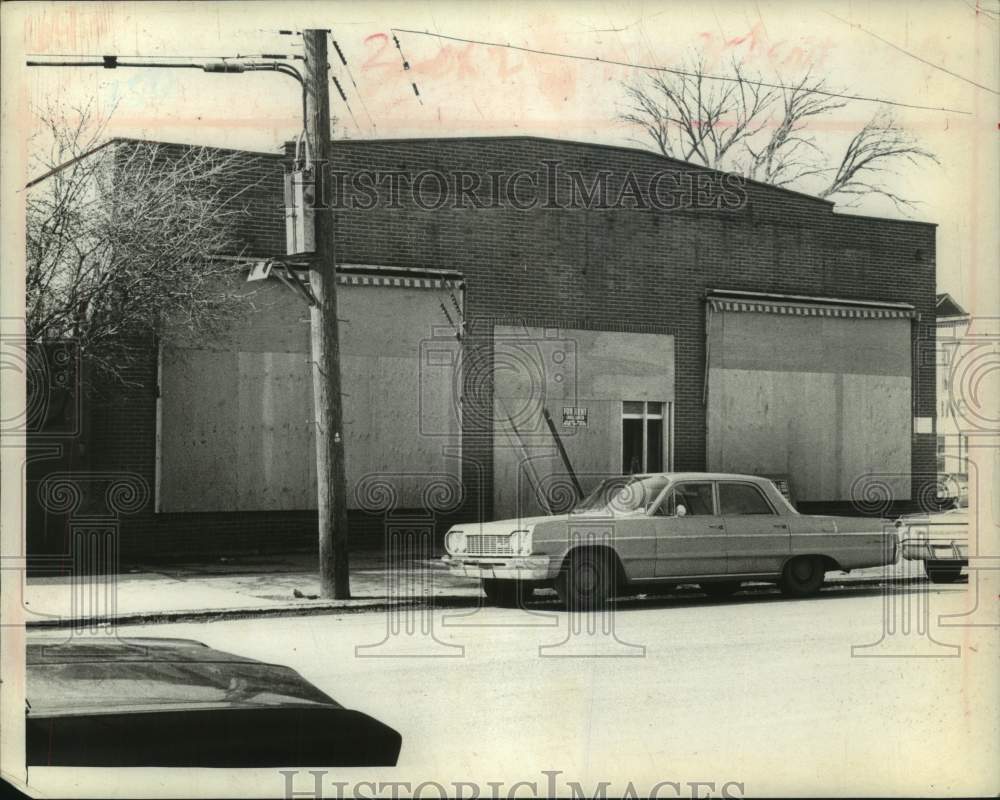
(781, 525)
(717, 527)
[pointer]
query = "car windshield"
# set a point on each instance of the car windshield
(623, 494)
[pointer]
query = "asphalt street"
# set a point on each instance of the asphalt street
(770, 693)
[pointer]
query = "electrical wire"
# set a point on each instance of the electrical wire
(350, 75)
(406, 64)
(343, 97)
(671, 70)
(182, 57)
(914, 56)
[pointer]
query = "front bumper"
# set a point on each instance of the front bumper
(523, 568)
(918, 549)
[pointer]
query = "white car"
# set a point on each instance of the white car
(939, 539)
(715, 529)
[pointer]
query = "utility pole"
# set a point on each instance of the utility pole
(334, 575)
(328, 428)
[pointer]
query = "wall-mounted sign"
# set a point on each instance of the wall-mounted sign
(782, 484)
(574, 417)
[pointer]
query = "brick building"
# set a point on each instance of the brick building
(663, 315)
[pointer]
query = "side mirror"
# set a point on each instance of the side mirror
(681, 510)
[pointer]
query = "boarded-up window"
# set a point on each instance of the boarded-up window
(822, 395)
(236, 416)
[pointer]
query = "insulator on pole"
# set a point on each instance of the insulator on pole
(339, 88)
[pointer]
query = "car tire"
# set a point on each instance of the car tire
(507, 593)
(720, 590)
(587, 580)
(802, 576)
(943, 571)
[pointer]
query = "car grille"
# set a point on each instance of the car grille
(488, 545)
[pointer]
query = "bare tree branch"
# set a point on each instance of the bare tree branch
(764, 134)
(130, 239)
(876, 149)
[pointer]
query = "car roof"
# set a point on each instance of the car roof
(704, 476)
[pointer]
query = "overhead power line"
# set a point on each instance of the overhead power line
(674, 71)
(156, 56)
(354, 83)
(914, 56)
(406, 64)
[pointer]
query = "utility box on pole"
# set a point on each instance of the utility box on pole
(300, 205)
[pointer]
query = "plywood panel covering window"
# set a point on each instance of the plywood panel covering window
(236, 430)
(823, 399)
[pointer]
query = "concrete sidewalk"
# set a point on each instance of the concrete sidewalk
(279, 585)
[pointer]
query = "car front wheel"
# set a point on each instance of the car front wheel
(586, 581)
(802, 576)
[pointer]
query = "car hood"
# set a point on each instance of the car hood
(502, 527)
(93, 677)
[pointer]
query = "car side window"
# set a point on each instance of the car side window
(695, 497)
(739, 499)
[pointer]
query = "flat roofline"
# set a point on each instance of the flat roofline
(801, 298)
(882, 218)
(552, 140)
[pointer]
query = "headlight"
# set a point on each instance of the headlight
(454, 542)
(520, 543)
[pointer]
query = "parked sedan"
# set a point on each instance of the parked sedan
(939, 539)
(176, 703)
(717, 530)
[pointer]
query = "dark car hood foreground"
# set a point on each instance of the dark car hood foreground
(176, 702)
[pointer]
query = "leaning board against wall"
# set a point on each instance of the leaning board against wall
(816, 390)
(235, 414)
(609, 395)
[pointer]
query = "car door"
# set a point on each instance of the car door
(757, 537)
(690, 543)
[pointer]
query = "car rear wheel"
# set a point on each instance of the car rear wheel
(720, 590)
(943, 571)
(586, 582)
(802, 576)
(507, 593)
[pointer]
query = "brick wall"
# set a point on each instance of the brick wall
(569, 267)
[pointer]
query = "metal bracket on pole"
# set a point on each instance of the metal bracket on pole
(300, 285)
(287, 273)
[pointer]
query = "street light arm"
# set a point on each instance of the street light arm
(214, 66)
(284, 69)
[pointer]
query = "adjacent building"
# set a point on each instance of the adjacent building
(952, 325)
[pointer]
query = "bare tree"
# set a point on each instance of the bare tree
(125, 236)
(874, 152)
(761, 129)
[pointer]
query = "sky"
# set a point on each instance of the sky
(918, 53)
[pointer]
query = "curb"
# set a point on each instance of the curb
(363, 606)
